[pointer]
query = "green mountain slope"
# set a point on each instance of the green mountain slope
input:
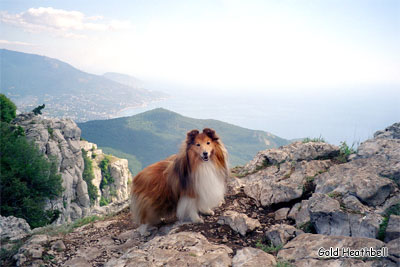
(30, 80)
(156, 134)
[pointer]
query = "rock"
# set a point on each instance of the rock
(393, 228)
(303, 215)
(33, 248)
(358, 178)
(13, 228)
(58, 245)
(238, 222)
(120, 172)
(60, 138)
(280, 234)
(294, 211)
(303, 250)
(285, 183)
(112, 208)
(248, 257)
(281, 214)
(328, 218)
(394, 250)
(181, 249)
(374, 173)
(297, 151)
(82, 193)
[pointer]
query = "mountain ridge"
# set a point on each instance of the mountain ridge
(30, 80)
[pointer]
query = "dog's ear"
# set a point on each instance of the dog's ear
(211, 133)
(190, 136)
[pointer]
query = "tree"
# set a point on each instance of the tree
(27, 179)
(38, 109)
(7, 109)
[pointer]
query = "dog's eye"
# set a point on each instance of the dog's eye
(197, 144)
(208, 143)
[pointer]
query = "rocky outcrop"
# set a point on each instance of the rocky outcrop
(302, 197)
(304, 251)
(13, 228)
(118, 190)
(329, 218)
(181, 249)
(286, 181)
(294, 152)
(60, 139)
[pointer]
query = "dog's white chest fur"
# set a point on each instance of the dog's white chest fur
(209, 186)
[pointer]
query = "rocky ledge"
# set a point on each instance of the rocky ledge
(280, 209)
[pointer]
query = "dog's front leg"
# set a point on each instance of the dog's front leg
(187, 209)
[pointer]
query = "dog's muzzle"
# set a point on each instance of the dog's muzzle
(205, 156)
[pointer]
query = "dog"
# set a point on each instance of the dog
(182, 185)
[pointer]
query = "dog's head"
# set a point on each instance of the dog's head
(202, 144)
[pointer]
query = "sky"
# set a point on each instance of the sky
(295, 68)
(229, 45)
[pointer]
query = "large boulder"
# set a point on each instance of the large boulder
(13, 228)
(284, 182)
(330, 218)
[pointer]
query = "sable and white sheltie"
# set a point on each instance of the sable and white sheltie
(184, 184)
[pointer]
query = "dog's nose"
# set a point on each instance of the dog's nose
(205, 154)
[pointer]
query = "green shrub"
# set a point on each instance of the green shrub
(345, 151)
(319, 139)
(268, 248)
(107, 179)
(395, 210)
(38, 109)
(7, 109)
(27, 179)
(88, 176)
(104, 201)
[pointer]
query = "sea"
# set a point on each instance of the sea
(349, 115)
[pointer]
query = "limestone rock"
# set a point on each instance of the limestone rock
(297, 151)
(13, 228)
(33, 248)
(394, 250)
(181, 249)
(329, 219)
(282, 184)
(238, 222)
(281, 214)
(303, 250)
(374, 173)
(58, 245)
(280, 234)
(60, 138)
(393, 228)
(248, 257)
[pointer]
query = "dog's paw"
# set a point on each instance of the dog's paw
(208, 212)
(145, 230)
(197, 220)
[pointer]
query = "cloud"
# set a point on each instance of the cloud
(6, 42)
(68, 24)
